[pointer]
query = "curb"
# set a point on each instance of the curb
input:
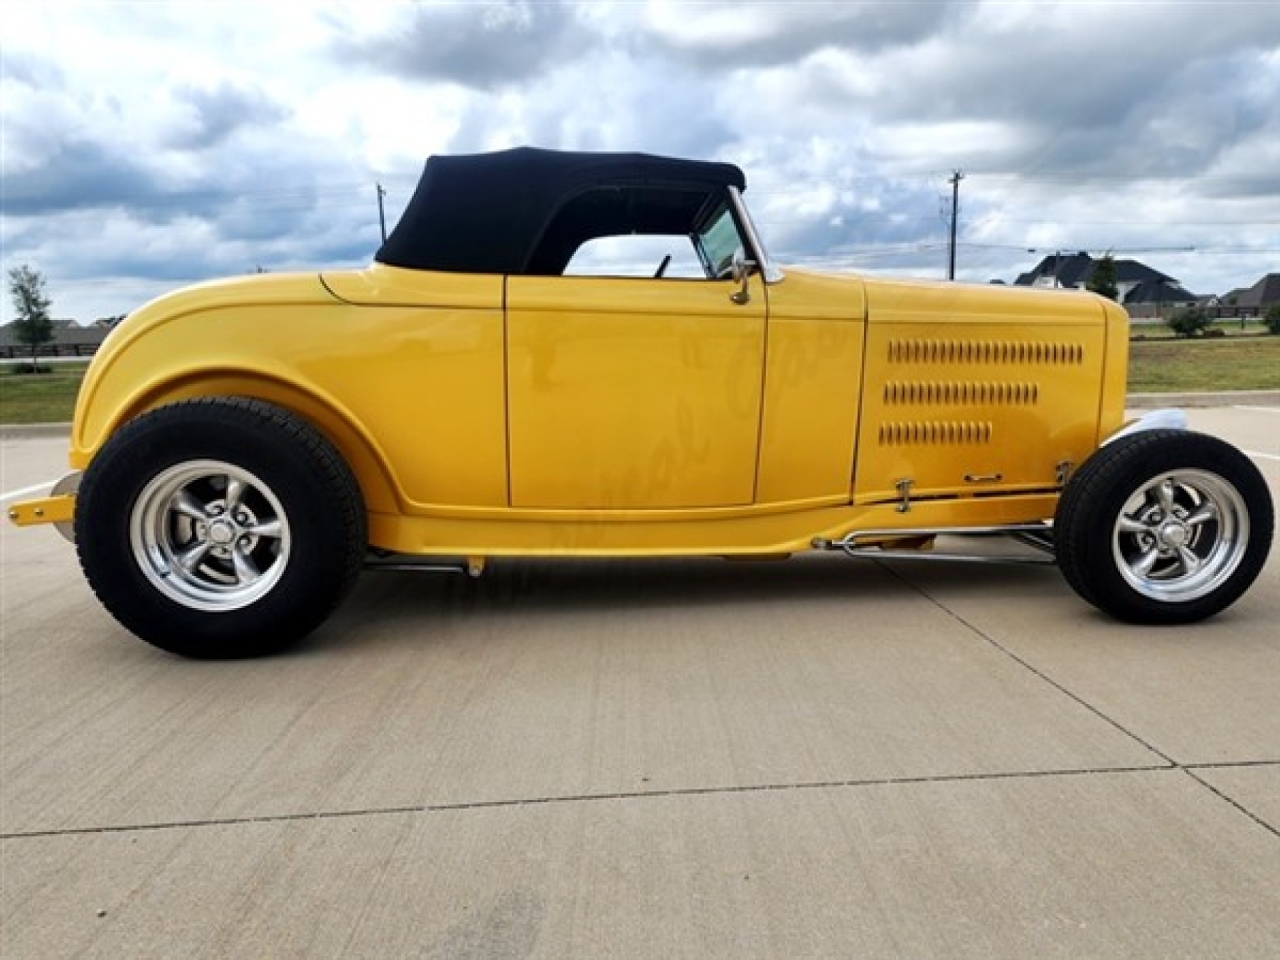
(1230, 398)
(33, 431)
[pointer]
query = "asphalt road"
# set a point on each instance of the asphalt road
(649, 759)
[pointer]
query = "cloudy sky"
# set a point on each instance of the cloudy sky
(150, 143)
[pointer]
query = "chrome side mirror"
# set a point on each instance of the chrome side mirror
(741, 273)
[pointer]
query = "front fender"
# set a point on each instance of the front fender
(1168, 418)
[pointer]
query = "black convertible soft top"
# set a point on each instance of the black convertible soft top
(490, 212)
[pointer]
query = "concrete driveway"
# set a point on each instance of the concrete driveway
(649, 759)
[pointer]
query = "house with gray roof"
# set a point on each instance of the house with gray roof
(1142, 290)
(69, 340)
(1256, 300)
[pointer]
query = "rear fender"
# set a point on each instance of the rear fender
(358, 449)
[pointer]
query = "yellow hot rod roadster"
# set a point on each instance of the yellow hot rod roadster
(243, 448)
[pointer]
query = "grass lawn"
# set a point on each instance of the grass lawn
(1230, 363)
(48, 397)
(1155, 366)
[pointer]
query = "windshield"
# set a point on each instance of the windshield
(718, 242)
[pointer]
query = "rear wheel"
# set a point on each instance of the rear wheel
(1164, 526)
(220, 527)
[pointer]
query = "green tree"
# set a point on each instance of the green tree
(1191, 322)
(1103, 280)
(32, 325)
(1272, 319)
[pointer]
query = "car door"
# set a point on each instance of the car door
(633, 394)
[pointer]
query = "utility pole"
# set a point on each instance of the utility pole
(382, 217)
(956, 177)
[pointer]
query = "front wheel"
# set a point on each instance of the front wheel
(218, 528)
(1164, 527)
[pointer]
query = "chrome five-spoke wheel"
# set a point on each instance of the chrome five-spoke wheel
(210, 535)
(1181, 536)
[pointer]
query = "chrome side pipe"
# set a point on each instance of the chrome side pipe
(1036, 535)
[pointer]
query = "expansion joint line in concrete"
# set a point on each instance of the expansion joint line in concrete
(428, 808)
(1169, 762)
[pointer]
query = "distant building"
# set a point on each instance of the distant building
(69, 340)
(1256, 300)
(1143, 291)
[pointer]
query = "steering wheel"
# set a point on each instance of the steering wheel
(662, 267)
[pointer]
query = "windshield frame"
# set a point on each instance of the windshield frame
(771, 272)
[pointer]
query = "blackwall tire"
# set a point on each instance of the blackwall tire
(1164, 527)
(220, 528)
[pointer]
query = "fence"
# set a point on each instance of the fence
(20, 351)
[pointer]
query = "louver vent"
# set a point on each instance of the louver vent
(984, 351)
(935, 432)
(957, 394)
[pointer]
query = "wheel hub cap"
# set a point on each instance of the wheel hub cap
(221, 533)
(1173, 535)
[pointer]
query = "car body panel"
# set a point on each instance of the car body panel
(813, 375)
(970, 389)
(128, 367)
(632, 394)
(763, 530)
(379, 285)
(401, 390)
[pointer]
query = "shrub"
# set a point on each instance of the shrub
(1273, 319)
(1190, 322)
